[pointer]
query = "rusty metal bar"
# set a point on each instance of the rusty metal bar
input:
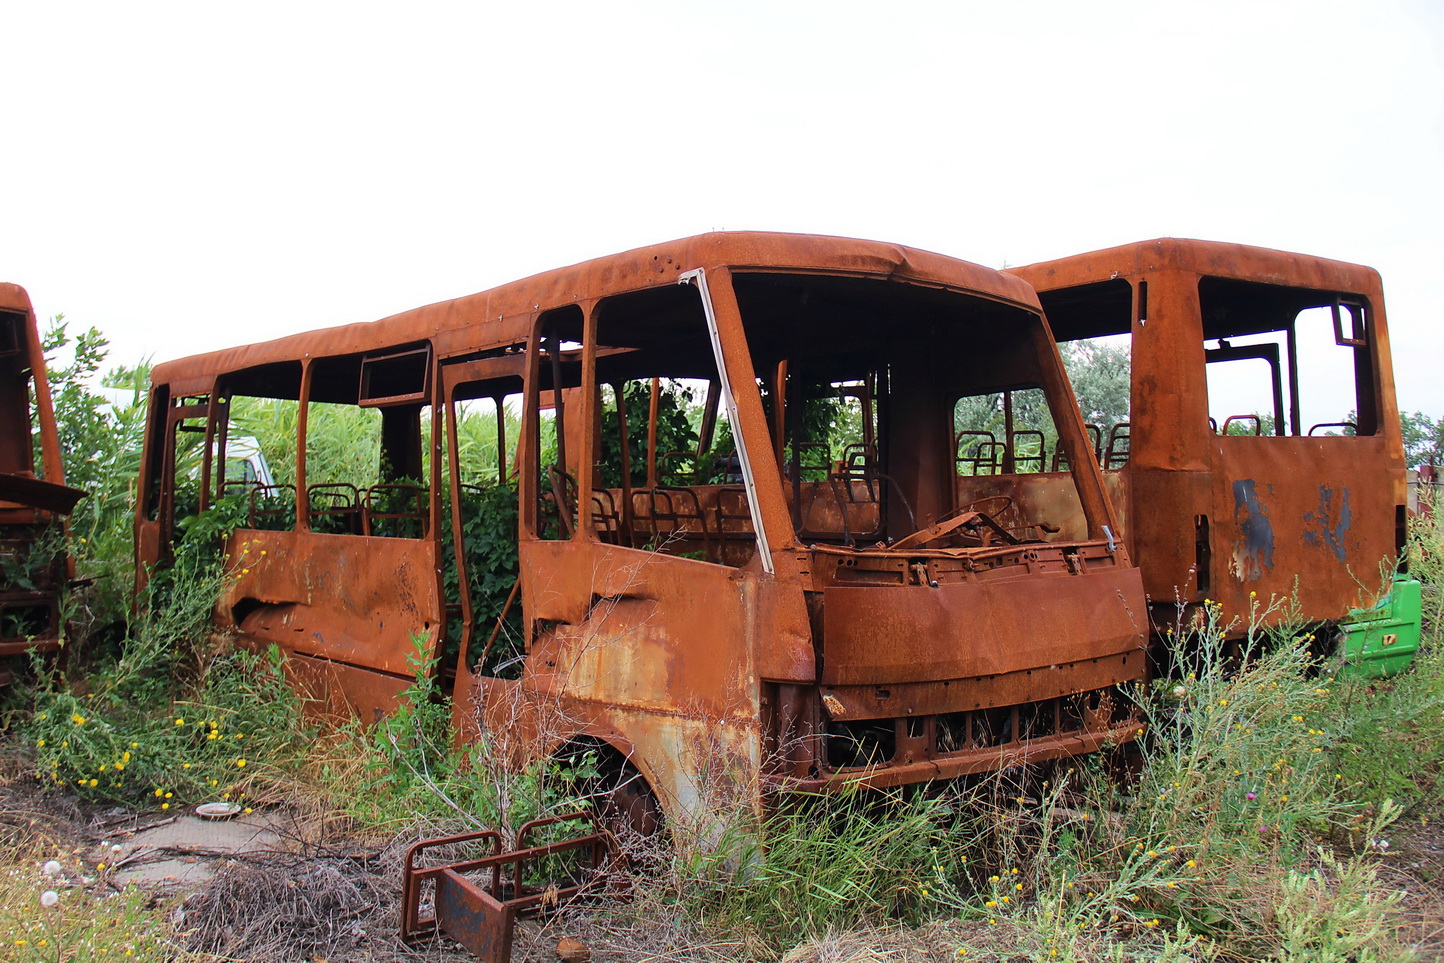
(481, 914)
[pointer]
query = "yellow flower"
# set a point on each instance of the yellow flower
(1223, 702)
(180, 721)
(1192, 863)
(159, 792)
(77, 718)
(40, 744)
(240, 763)
(94, 783)
(165, 805)
(991, 903)
(1018, 887)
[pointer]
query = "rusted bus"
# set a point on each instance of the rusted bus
(33, 496)
(1298, 493)
(742, 537)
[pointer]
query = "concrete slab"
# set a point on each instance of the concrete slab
(185, 851)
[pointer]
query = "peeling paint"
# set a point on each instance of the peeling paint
(1328, 526)
(1254, 552)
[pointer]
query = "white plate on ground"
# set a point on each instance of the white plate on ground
(218, 810)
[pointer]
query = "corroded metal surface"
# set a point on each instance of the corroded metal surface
(478, 901)
(1239, 519)
(33, 497)
(747, 622)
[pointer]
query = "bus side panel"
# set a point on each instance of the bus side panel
(1311, 518)
(652, 648)
(349, 599)
(1167, 510)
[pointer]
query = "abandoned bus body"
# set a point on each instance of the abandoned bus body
(33, 497)
(1262, 456)
(725, 466)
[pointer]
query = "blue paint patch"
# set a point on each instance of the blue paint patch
(1255, 551)
(1328, 526)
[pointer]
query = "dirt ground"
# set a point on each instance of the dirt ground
(288, 885)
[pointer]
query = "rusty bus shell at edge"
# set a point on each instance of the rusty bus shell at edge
(32, 497)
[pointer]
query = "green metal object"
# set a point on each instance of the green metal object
(1381, 641)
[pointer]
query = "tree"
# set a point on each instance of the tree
(1423, 437)
(1100, 376)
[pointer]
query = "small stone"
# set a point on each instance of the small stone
(572, 951)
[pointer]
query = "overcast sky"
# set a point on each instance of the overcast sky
(190, 176)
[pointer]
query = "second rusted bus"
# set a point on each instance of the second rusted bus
(788, 577)
(1262, 460)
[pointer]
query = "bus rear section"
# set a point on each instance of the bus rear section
(740, 548)
(36, 565)
(1261, 459)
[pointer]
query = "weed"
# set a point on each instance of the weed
(408, 768)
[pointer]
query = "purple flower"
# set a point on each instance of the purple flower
(1251, 796)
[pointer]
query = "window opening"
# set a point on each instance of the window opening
(255, 446)
(872, 442)
(367, 466)
(552, 392)
(1300, 361)
(667, 476)
(479, 552)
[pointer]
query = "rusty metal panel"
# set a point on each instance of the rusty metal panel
(884, 635)
(350, 599)
(1300, 518)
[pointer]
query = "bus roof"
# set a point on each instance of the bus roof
(14, 298)
(514, 303)
(1208, 258)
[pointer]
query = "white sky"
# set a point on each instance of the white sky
(190, 176)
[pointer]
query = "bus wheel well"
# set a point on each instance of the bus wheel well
(618, 791)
